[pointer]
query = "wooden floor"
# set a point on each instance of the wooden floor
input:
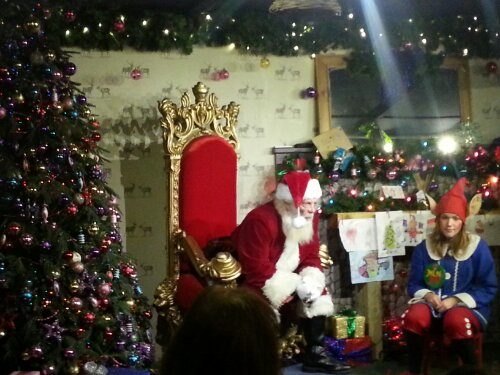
(491, 365)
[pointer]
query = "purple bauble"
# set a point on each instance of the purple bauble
(334, 176)
(311, 92)
(45, 245)
(81, 99)
(70, 69)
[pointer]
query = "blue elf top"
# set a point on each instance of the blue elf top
(470, 277)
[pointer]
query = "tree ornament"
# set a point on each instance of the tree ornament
(74, 287)
(75, 303)
(72, 209)
(70, 69)
(491, 67)
(77, 267)
(136, 74)
(26, 240)
(334, 176)
(89, 318)
(3, 112)
(371, 173)
(93, 302)
(391, 173)
(119, 26)
(309, 93)
(104, 289)
(224, 74)
(73, 369)
(36, 352)
(70, 16)
(48, 369)
(264, 62)
(75, 257)
(14, 229)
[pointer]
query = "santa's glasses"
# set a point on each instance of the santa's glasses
(311, 205)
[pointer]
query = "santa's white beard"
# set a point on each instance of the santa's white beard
(301, 235)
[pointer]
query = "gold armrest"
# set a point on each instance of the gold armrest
(324, 256)
(222, 268)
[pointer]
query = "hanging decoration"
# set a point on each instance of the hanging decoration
(276, 32)
(264, 62)
(309, 93)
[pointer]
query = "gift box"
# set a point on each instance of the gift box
(355, 352)
(346, 325)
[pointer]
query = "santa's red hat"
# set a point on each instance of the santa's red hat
(454, 201)
(296, 187)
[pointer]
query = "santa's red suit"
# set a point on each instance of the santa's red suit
(275, 266)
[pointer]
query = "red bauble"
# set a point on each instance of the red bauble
(70, 16)
(224, 74)
(96, 137)
(136, 74)
(72, 209)
(104, 303)
(119, 26)
(491, 67)
(14, 229)
(89, 318)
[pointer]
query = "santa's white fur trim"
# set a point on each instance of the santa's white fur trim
(314, 273)
(280, 286)
(289, 258)
(299, 222)
(322, 306)
(313, 191)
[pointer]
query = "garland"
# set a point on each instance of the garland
(102, 25)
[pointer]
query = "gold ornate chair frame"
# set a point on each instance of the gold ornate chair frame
(181, 125)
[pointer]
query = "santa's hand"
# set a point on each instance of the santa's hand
(308, 290)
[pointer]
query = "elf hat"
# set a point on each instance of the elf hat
(454, 201)
(296, 187)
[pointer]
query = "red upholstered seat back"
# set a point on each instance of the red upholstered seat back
(207, 189)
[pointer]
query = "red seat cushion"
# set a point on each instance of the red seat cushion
(207, 189)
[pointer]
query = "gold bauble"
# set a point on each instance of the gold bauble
(74, 287)
(93, 228)
(73, 370)
(264, 62)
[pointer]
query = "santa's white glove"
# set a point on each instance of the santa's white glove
(309, 289)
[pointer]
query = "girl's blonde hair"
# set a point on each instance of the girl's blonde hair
(439, 243)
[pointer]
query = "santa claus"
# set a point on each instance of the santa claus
(277, 245)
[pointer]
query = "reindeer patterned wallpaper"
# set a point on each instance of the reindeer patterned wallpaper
(125, 87)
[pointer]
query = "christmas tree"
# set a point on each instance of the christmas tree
(71, 300)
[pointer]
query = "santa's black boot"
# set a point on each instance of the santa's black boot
(316, 358)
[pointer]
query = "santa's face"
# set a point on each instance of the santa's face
(288, 212)
(308, 208)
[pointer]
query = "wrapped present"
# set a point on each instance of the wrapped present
(355, 352)
(347, 324)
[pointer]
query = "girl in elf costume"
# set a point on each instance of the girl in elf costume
(452, 281)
